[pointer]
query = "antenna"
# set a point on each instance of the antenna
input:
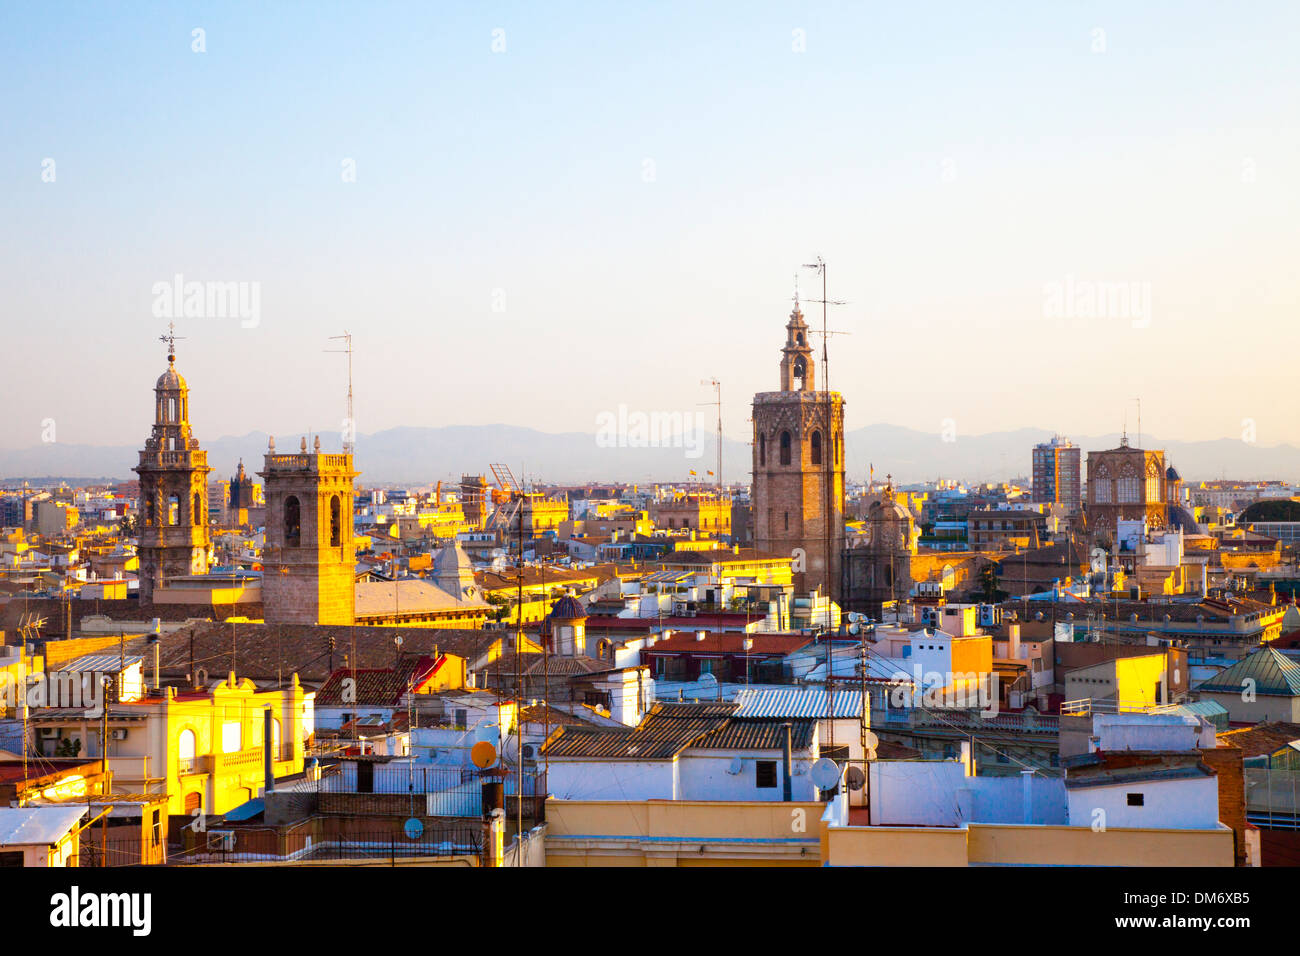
(831, 454)
(349, 442)
(717, 391)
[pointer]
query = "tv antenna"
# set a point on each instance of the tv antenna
(349, 438)
(717, 392)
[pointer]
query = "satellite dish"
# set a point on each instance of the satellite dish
(825, 774)
(854, 629)
(413, 828)
(855, 778)
(483, 754)
(870, 741)
(398, 640)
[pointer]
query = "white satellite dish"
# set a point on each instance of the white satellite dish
(870, 741)
(855, 779)
(825, 774)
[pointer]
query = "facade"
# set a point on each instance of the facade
(696, 511)
(798, 467)
(473, 500)
(1056, 473)
(309, 561)
(173, 531)
(1125, 484)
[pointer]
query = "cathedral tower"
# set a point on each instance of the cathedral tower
(173, 519)
(799, 468)
(309, 565)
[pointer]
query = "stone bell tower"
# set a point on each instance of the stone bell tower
(798, 453)
(309, 562)
(173, 519)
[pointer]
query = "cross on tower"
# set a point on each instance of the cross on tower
(170, 338)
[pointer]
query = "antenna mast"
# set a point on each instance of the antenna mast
(717, 392)
(349, 436)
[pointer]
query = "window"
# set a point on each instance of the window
(800, 372)
(1135, 800)
(156, 828)
(762, 450)
(292, 522)
(1128, 490)
(185, 746)
(765, 774)
(336, 523)
(198, 508)
(816, 448)
(1101, 491)
(174, 510)
(785, 448)
(193, 801)
(232, 737)
(787, 521)
(149, 509)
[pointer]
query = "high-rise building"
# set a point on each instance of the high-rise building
(1057, 473)
(798, 496)
(173, 530)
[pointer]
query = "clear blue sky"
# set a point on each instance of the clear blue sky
(949, 160)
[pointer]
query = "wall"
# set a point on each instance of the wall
(704, 775)
(939, 794)
(613, 780)
(1186, 804)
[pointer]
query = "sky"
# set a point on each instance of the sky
(534, 214)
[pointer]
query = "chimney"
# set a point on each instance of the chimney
(787, 792)
(701, 635)
(267, 769)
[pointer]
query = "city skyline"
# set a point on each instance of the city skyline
(627, 240)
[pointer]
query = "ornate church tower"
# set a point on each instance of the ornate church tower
(799, 468)
(309, 562)
(173, 521)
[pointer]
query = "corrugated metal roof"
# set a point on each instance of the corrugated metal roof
(797, 702)
(103, 663)
(37, 826)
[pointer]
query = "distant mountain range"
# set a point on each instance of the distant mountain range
(425, 455)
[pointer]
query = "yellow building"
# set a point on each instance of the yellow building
(203, 749)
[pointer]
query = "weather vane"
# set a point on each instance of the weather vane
(170, 338)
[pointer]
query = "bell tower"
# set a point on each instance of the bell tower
(173, 522)
(798, 462)
(309, 565)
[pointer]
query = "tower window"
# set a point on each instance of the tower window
(171, 409)
(336, 522)
(787, 521)
(174, 509)
(785, 448)
(198, 509)
(762, 450)
(816, 448)
(292, 522)
(800, 372)
(149, 509)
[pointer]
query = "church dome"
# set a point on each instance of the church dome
(568, 608)
(1171, 474)
(170, 380)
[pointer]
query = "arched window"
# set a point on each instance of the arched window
(174, 509)
(292, 522)
(171, 409)
(198, 508)
(800, 372)
(785, 448)
(336, 522)
(816, 448)
(762, 450)
(186, 745)
(149, 510)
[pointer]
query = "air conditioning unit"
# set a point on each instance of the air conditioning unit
(530, 752)
(221, 840)
(49, 733)
(119, 734)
